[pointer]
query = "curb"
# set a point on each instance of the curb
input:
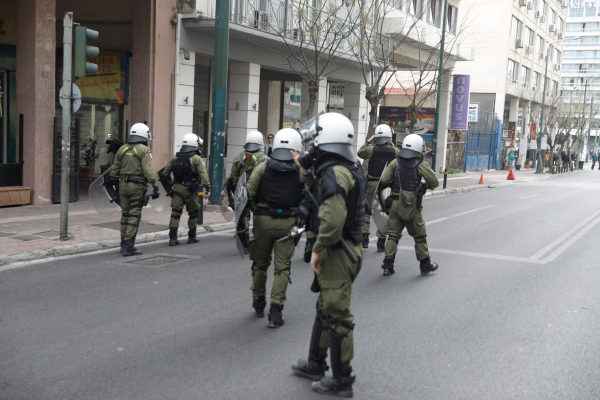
(88, 247)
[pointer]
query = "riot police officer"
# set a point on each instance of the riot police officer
(404, 175)
(340, 188)
(275, 191)
(189, 174)
(248, 159)
(379, 155)
(133, 167)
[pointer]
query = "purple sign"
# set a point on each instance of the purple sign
(460, 102)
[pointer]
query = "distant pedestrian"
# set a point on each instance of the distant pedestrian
(268, 149)
(512, 157)
(547, 159)
(594, 159)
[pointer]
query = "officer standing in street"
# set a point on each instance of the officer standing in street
(379, 155)
(404, 176)
(275, 191)
(340, 188)
(248, 159)
(189, 174)
(133, 166)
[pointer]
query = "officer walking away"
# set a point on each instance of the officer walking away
(339, 187)
(189, 174)
(405, 175)
(133, 164)
(379, 155)
(275, 190)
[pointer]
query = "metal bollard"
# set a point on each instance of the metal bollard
(445, 177)
(201, 210)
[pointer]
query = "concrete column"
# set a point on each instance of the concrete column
(514, 110)
(244, 85)
(523, 140)
(153, 68)
(535, 110)
(273, 108)
(36, 60)
(184, 97)
(355, 108)
(442, 140)
(320, 105)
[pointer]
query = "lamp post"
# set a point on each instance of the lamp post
(439, 89)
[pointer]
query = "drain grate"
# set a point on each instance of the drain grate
(157, 261)
(26, 238)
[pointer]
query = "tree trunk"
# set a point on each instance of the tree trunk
(313, 89)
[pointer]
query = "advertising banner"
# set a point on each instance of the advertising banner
(473, 115)
(399, 119)
(460, 102)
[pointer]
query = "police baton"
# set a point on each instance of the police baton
(342, 243)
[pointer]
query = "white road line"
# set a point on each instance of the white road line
(528, 197)
(468, 212)
(577, 184)
(563, 237)
(436, 221)
(462, 177)
(481, 255)
(555, 254)
(556, 190)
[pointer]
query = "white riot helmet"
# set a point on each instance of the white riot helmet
(412, 146)
(139, 133)
(383, 134)
(285, 140)
(190, 142)
(334, 133)
(254, 141)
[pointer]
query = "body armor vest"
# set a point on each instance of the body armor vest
(355, 200)
(379, 158)
(280, 186)
(182, 169)
(407, 169)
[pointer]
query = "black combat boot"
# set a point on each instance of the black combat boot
(380, 245)
(388, 266)
(192, 236)
(276, 316)
(173, 237)
(427, 266)
(340, 384)
(310, 242)
(123, 246)
(130, 250)
(314, 366)
(259, 306)
(365, 240)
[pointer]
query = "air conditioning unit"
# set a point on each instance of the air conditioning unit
(561, 36)
(552, 27)
(261, 20)
(538, 14)
(520, 44)
(530, 5)
(543, 18)
(522, 3)
(529, 49)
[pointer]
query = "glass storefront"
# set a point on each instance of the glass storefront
(292, 99)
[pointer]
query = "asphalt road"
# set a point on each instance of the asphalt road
(512, 313)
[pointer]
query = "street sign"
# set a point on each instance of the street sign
(473, 114)
(76, 98)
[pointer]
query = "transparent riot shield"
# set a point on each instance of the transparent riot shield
(162, 203)
(242, 239)
(380, 215)
(226, 200)
(104, 196)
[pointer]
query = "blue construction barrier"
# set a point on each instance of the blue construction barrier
(483, 143)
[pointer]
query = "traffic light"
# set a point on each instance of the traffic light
(82, 51)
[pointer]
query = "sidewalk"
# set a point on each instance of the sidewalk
(32, 232)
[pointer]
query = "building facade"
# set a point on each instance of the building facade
(513, 39)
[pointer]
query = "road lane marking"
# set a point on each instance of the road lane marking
(528, 197)
(577, 184)
(556, 253)
(436, 221)
(471, 211)
(563, 237)
(556, 190)
(481, 255)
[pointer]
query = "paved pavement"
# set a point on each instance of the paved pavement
(512, 313)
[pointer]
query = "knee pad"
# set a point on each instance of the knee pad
(421, 239)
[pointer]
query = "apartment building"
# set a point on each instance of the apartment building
(513, 39)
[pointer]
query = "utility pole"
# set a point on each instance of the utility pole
(439, 89)
(578, 148)
(217, 138)
(540, 168)
(66, 125)
(587, 153)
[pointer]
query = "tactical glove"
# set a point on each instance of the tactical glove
(155, 193)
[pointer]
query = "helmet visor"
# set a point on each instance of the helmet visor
(251, 147)
(282, 154)
(310, 129)
(382, 140)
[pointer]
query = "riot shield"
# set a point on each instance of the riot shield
(104, 196)
(226, 201)
(378, 210)
(162, 203)
(242, 239)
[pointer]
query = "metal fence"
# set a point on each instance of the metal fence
(482, 142)
(455, 155)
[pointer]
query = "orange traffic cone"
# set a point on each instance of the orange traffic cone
(481, 180)
(511, 176)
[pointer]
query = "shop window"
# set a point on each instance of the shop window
(292, 99)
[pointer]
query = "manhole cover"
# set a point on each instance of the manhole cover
(53, 234)
(26, 238)
(157, 261)
(5, 234)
